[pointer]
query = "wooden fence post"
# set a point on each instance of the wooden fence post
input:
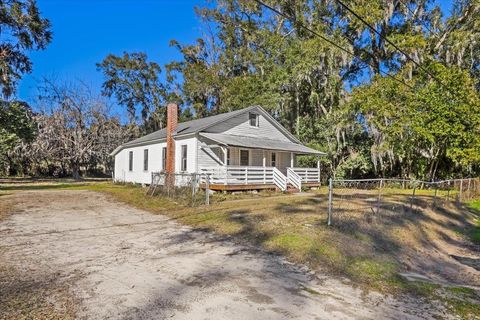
(207, 190)
(330, 199)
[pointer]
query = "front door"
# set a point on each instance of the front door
(244, 157)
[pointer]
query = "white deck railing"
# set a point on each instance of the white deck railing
(238, 175)
(308, 174)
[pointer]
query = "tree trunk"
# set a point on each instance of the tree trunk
(75, 170)
(434, 173)
(431, 172)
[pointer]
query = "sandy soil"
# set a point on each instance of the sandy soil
(122, 263)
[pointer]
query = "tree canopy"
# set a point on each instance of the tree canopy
(368, 123)
(22, 29)
(396, 94)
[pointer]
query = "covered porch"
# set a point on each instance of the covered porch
(248, 163)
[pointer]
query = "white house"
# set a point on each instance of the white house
(239, 150)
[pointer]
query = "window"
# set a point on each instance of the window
(228, 156)
(145, 160)
(184, 158)
(164, 158)
(130, 161)
(273, 159)
(244, 157)
(254, 119)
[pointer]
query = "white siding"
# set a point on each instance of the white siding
(155, 162)
(240, 126)
(283, 161)
(121, 166)
(209, 157)
(138, 175)
(191, 144)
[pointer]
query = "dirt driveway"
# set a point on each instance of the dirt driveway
(118, 262)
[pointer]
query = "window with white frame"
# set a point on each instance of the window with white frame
(145, 160)
(273, 159)
(164, 158)
(130, 161)
(254, 119)
(184, 158)
(244, 157)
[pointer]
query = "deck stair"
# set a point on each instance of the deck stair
(280, 180)
(294, 179)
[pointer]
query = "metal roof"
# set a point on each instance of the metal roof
(187, 127)
(256, 143)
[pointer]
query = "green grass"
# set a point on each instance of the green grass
(461, 301)
(475, 205)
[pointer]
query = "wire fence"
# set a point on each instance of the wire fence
(188, 188)
(372, 200)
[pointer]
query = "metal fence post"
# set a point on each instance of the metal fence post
(461, 190)
(379, 195)
(193, 181)
(330, 198)
(413, 197)
(207, 190)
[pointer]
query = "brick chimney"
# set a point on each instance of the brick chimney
(172, 122)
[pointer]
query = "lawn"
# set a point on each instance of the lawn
(369, 250)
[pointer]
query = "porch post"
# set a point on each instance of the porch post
(291, 159)
(318, 167)
(224, 149)
(264, 170)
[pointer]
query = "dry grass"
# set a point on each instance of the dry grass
(24, 294)
(5, 206)
(370, 248)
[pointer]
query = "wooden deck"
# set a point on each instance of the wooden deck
(249, 187)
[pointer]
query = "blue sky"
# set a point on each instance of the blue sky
(85, 31)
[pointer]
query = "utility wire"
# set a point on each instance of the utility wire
(292, 19)
(394, 45)
(413, 13)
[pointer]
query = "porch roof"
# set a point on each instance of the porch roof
(259, 143)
